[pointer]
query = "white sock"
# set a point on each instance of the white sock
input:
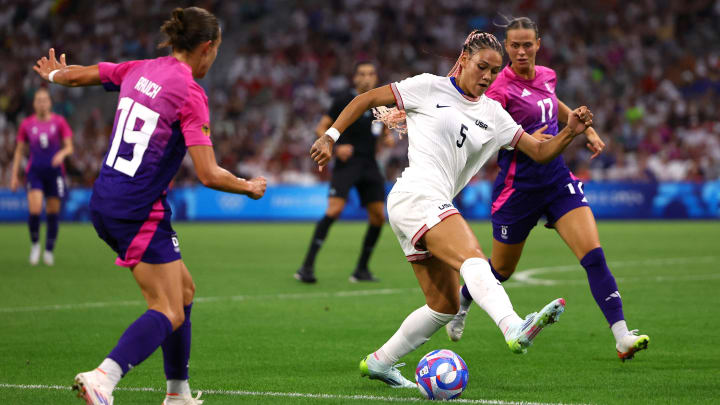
(619, 329)
(488, 293)
(113, 372)
(415, 330)
(180, 387)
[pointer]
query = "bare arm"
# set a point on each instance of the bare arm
(17, 156)
(322, 126)
(321, 150)
(71, 76)
(66, 151)
(213, 176)
(545, 152)
(594, 143)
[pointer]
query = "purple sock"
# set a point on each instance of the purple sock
(34, 225)
(141, 339)
(52, 231)
(176, 350)
(497, 275)
(466, 293)
(603, 286)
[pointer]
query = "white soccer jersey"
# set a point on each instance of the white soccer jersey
(450, 135)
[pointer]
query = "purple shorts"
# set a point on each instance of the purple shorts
(519, 213)
(151, 241)
(50, 180)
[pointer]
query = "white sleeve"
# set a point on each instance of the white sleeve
(412, 92)
(507, 131)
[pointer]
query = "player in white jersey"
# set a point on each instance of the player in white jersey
(453, 129)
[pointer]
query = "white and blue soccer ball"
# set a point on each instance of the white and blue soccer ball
(441, 374)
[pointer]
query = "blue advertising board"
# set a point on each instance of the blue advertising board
(302, 203)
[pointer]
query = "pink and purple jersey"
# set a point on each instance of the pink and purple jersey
(44, 139)
(161, 111)
(532, 104)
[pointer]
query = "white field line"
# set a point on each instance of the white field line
(523, 278)
(288, 395)
(527, 276)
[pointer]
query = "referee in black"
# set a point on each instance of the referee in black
(355, 165)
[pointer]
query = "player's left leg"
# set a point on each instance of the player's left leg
(52, 213)
(376, 219)
(578, 229)
(453, 242)
(176, 350)
(35, 203)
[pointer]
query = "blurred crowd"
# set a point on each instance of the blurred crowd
(650, 70)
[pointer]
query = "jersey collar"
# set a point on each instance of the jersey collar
(462, 93)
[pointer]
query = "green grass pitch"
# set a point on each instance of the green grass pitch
(257, 331)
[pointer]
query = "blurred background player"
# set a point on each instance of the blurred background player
(355, 165)
(49, 139)
(453, 130)
(525, 191)
(162, 113)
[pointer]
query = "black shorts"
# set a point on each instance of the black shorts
(364, 174)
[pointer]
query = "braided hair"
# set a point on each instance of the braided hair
(474, 42)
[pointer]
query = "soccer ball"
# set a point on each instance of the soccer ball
(441, 374)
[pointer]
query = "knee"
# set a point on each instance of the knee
(333, 212)
(188, 293)
(504, 269)
(176, 316)
(470, 253)
(376, 218)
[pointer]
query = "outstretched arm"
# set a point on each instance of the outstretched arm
(544, 152)
(54, 71)
(321, 151)
(213, 176)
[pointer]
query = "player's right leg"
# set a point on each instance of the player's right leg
(439, 283)
(453, 242)
(176, 352)
(306, 273)
(35, 203)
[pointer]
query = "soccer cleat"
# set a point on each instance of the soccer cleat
(374, 369)
(305, 275)
(34, 254)
(630, 344)
(48, 258)
(362, 275)
(176, 399)
(456, 326)
(89, 386)
(520, 336)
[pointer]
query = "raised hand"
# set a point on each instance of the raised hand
(580, 119)
(47, 64)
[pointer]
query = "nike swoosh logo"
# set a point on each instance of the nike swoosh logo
(442, 106)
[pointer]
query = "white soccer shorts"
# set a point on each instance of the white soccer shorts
(411, 215)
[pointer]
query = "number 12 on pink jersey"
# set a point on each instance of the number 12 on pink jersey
(125, 132)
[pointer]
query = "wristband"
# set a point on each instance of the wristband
(52, 75)
(333, 133)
